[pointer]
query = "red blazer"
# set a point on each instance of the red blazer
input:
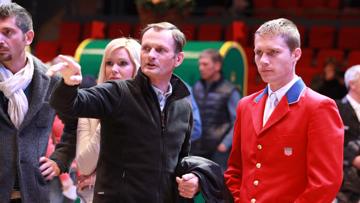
(296, 157)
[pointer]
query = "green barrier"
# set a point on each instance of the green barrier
(235, 68)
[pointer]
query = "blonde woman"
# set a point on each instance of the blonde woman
(121, 61)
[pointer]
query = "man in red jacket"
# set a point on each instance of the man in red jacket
(288, 139)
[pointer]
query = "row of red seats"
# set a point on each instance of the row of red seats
(307, 9)
(285, 4)
(322, 36)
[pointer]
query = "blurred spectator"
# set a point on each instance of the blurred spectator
(349, 108)
(241, 8)
(216, 99)
(63, 189)
(196, 131)
(330, 83)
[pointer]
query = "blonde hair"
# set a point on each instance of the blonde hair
(283, 27)
(177, 35)
(130, 45)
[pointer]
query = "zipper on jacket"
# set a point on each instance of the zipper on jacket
(162, 115)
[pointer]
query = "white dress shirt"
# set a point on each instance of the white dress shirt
(355, 105)
(271, 103)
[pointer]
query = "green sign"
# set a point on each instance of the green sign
(89, 55)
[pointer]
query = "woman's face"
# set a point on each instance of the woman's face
(330, 72)
(118, 65)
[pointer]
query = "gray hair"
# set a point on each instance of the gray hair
(22, 16)
(352, 74)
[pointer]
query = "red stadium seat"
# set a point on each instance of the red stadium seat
(348, 38)
(46, 50)
(189, 30)
(353, 58)
(325, 54)
(321, 37)
(286, 4)
(313, 4)
(249, 51)
(305, 59)
(137, 31)
(333, 4)
(69, 32)
(307, 74)
(237, 31)
(210, 32)
(268, 4)
(68, 48)
(118, 29)
(94, 30)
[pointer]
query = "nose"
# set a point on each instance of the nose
(2, 39)
(115, 68)
(264, 59)
(152, 53)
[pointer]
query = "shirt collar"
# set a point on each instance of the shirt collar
(282, 91)
(159, 92)
(353, 102)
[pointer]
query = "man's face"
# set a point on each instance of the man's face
(208, 68)
(12, 40)
(158, 57)
(274, 60)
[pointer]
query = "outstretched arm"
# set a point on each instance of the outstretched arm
(69, 69)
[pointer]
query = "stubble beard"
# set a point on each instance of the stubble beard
(5, 58)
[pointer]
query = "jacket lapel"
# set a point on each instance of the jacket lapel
(292, 96)
(40, 83)
(349, 109)
(258, 110)
(279, 112)
(5, 116)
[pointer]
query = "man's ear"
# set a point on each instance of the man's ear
(217, 65)
(29, 37)
(179, 57)
(297, 53)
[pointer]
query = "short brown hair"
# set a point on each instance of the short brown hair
(213, 54)
(283, 27)
(178, 36)
(22, 16)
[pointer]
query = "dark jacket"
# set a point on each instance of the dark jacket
(211, 178)
(351, 122)
(20, 149)
(350, 189)
(140, 145)
(212, 100)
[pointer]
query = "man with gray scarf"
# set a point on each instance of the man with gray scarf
(25, 115)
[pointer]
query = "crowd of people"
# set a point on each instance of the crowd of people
(140, 134)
